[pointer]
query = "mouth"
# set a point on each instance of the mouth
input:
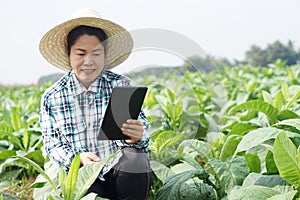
(88, 71)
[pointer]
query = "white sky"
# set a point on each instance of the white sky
(222, 28)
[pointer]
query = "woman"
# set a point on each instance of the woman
(72, 109)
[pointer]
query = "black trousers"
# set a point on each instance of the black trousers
(130, 179)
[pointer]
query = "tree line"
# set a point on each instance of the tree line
(255, 56)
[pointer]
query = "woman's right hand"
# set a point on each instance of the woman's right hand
(88, 158)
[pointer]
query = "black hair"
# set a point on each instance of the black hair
(75, 33)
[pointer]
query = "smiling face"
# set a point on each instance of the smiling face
(87, 58)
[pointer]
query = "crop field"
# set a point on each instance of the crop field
(231, 134)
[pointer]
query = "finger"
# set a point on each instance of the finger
(134, 121)
(93, 157)
(133, 127)
(132, 134)
(134, 130)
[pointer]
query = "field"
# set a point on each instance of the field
(232, 134)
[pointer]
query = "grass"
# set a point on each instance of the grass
(21, 189)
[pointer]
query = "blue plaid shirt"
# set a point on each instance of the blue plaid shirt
(71, 115)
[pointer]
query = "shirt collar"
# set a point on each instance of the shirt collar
(77, 88)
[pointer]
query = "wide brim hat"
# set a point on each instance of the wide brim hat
(53, 45)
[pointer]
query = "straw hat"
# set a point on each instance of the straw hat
(53, 45)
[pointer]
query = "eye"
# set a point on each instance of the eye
(96, 54)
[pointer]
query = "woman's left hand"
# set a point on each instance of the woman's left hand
(133, 129)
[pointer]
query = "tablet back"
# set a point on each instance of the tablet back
(125, 103)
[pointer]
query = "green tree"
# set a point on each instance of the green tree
(274, 51)
(256, 56)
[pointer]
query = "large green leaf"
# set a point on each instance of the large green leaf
(171, 189)
(286, 158)
(285, 196)
(4, 154)
(257, 137)
(241, 128)
(161, 171)
(195, 189)
(167, 139)
(287, 114)
(260, 106)
(289, 122)
(230, 173)
(72, 178)
(193, 148)
(86, 176)
(252, 192)
(271, 181)
(230, 146)
(37, 157)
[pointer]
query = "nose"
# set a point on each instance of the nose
(88, 59)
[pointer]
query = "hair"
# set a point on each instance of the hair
(75, 33)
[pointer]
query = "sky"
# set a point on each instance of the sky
(219, 28)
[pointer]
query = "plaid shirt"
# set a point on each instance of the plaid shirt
(71, 116)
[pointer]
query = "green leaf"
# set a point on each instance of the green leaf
(253, 163)
(161, 171)
(171, 189)
(286, 158)
(193, 148)
(194, 189)
(285, 196)
(4, 154)
(285, 91)
(252, 192)
(166, 139)
(170, 95)
(257, 137)
(14, 140)
(241, 128)
(267, 97)
(16, 120)
(72, 178)
(63, 182)
(287, 114)
(37, 157)
(38, 185)
(260, 106)
(86, 177)
(91, 196)
(5, 127)
(230, 173)
(294, 98)
(229, 146)
(25, 139)
(278, 101)
(289, 122)
(270, 164)
(271, 181)
(40, 170)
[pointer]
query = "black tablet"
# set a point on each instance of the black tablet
(125, 103)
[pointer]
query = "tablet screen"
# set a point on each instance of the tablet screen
(125, 103)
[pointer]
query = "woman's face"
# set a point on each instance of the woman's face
(87, 58)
